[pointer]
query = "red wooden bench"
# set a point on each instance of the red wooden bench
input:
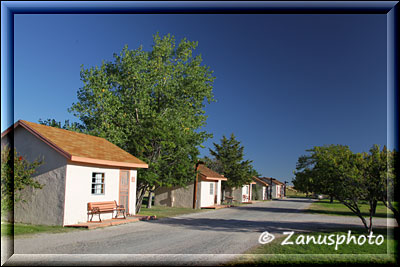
(105, 207)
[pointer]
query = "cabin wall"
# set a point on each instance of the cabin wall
(41, 206)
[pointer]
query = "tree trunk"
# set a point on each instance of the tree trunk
(150, 200)
(357, 211)
(139, 198)
(364, 222)
(395, 211)
(374, 204)
(372, 210)
(370, 223)
(331, 201)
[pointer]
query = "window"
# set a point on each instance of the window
(247, 189)
(97, 183)
(211, 189)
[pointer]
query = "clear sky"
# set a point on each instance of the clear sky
(284, 83)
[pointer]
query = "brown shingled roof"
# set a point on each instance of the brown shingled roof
(261, 181)
(78, 147)
(210, 174)
(268, 180)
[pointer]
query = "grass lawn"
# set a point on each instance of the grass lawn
(322, 254)
(26, 229)
(293, 193)
(163, 212)
(336, 208)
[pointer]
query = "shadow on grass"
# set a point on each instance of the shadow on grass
(347, 213)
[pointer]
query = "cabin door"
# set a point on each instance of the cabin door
(245, 193)
(215, 192)
(124, 189)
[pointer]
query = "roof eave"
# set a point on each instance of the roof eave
(204, 177)
(215, 178)
(109, 162)
(261, 181)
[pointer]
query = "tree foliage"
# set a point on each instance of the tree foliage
(384, 169)
(74, 126)
(349, 177)
(228, 159)
(213, 164)
(16, 174)
(151, 104)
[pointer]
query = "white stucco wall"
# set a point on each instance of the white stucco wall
(206, 198)
(132, 191)
(78, 191)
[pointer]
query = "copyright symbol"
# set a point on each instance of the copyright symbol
(265, 238)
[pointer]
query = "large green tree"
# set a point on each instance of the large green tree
(228, 159)
(151, 104)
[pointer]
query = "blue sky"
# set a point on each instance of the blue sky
(284, 83)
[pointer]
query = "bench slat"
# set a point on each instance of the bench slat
(104, 206)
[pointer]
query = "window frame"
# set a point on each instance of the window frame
(95, 183)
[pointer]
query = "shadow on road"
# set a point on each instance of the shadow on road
(270, 209)
(304, 200)
(233, 225)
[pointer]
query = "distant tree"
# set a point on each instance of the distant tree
(16, 174)
(374, 169)
(350, 177)
(151, 104)
(390, 194)
(303, 181)
(336, 171)
(229, 161)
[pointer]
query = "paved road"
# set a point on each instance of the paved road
(224, 231)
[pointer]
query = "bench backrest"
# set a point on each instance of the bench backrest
(104, 205)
